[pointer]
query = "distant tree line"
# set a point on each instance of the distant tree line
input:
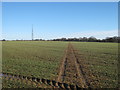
(39, 40)
(81, 39)
(90, 39)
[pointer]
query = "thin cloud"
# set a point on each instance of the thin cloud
(97, 34)
(53, 35)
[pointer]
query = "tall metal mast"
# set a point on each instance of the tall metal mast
(32, 32)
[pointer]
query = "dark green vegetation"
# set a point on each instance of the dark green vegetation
(42, 59)
(90, 39)
(101, 59)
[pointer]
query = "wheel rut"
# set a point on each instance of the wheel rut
(70, 70)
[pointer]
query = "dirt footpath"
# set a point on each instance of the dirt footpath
(71, 71)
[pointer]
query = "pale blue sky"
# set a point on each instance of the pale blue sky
(56, 20)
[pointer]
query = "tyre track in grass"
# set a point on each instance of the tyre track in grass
(71, 71)
(38, 82)
(71, 74)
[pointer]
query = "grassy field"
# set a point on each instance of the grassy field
(42, 59)
(38, 59)
(22, 84)
(101, 60)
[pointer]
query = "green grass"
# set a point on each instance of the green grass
(42, 59)
(21, 84)
(33, 58)
(101, 59)
(15, 84)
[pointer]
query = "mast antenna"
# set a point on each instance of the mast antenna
(32, 32)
